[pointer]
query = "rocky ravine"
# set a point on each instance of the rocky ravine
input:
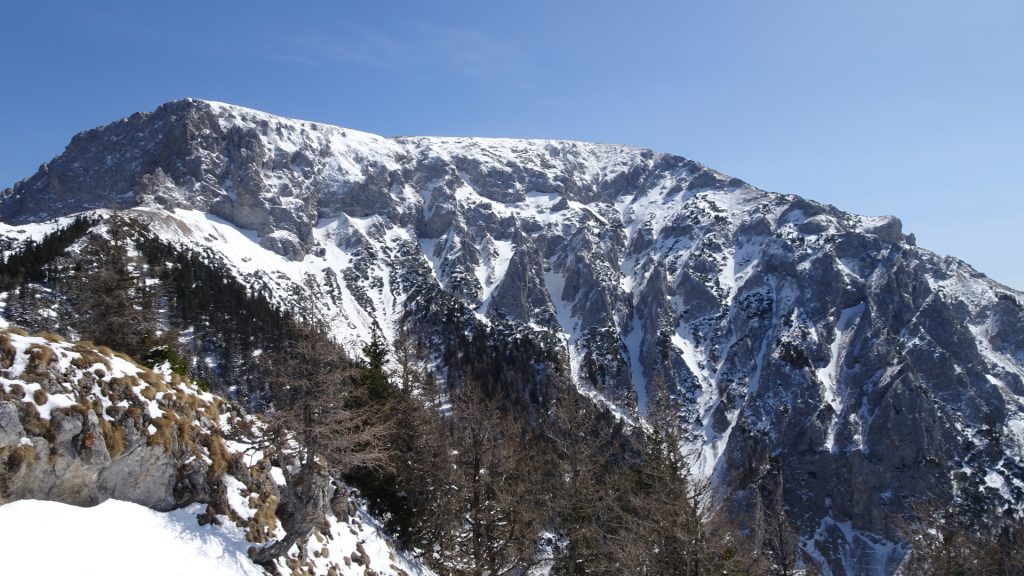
(818, 351)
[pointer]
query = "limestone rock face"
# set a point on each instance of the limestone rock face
(802, 347)
(75, 467)
(11, 430)
(75, 427)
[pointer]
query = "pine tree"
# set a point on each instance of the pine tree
(375, 377)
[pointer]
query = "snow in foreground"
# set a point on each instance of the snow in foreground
(115, 538)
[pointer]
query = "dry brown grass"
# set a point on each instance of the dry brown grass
(17, 330)
(261, 527)
(52, 337)
(149, 393)
(153, 379)
(105, 351)
(81, 409)
(135, 413)
(185, 435)
(21, 456)
(14, 392)
(164, 435)
(185, 403)
(40, 397)
(39, 359)
(32, 423)
(219, 455)
(7, 351)
(113, 437)
(17, 391)
(173, 433)
(88, 359)
(212, 411)
(120, 388)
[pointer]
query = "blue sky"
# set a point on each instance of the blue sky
(905, 107)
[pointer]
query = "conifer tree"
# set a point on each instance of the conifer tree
(118, 309)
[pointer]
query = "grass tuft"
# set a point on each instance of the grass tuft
(23, 455)
(164, 435)
(219, 455)
(39, 359)
(88, 358)
(33, 424)
(7, 351)
(149, 393)
(261, 526)
(120, 388)
(153, 379)
(40, 397)
(113, 437)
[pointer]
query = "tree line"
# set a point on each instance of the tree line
(472, 487)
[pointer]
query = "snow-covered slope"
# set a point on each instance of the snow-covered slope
(82, 425)
(803, 348)
(116, 538)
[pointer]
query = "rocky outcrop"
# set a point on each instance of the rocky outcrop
(79, 426)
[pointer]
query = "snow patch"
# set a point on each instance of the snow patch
(116, 538)
(633, 341)
(829, 374)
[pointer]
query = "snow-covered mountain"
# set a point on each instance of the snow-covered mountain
(815, 351)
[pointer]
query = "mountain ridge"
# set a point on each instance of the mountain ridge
(798, 345)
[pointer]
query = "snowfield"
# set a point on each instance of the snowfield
(116, 538)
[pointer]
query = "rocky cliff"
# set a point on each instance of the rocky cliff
(817, 353)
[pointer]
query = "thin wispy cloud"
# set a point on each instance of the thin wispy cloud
(467, 53)
(472, 53)
(350, 45)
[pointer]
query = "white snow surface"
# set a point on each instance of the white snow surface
(116, 538)
(829, 374)
(876, 556)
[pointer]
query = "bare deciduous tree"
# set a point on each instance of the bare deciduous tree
(947, 541)
(324, 421)
(494, 519)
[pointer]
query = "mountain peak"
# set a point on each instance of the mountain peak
(777, 329)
